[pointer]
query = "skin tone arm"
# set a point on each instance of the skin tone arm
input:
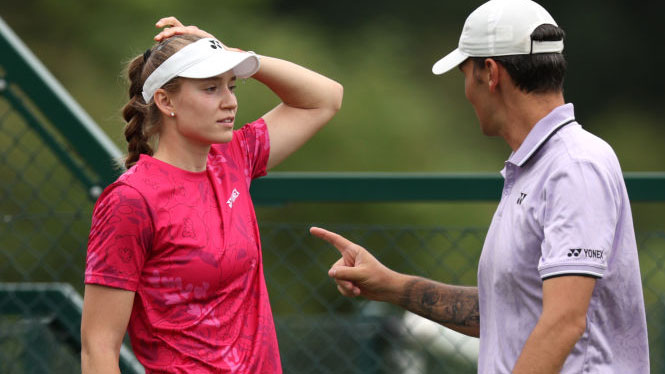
(358, 273)
(309, 100)
(562, 323)
(106, 313)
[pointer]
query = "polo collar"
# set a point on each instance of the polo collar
(542, 132)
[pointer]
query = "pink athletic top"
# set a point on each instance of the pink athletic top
(188, 244)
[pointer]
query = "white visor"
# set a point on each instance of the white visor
(204, 58)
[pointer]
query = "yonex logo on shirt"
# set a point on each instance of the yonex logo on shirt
(574, 252)
(521, 198)
(589, 253)
(232, 199)
(594, 253)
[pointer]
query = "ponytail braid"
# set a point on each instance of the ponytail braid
(144, 119)
(135, 113)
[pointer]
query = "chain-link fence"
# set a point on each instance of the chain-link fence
(44, 221)
(45, 213)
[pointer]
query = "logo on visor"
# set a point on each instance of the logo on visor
(215, 44)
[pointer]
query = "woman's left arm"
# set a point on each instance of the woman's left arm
(309, 101)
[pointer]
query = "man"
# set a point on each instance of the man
(559, 286)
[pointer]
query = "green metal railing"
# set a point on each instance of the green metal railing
(412, 187)
(24, 76)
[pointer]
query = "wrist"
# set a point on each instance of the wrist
(394, 286)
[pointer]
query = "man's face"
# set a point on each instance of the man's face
(476, 90)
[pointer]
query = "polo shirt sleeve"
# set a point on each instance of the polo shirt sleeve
(580, 219)
(256, 142)
(120, 238)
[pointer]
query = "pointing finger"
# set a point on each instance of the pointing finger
(338, 241)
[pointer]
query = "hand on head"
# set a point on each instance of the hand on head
(357, 273)
(171, 26)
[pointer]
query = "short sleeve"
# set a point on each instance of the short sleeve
(120, 238)
(256, 142)
(580, 218)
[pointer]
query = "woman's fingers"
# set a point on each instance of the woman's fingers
(171, 26)
(168, 22)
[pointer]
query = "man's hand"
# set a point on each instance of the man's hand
(358, 273)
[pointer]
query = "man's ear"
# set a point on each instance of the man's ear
(164, 102)
(493, 73)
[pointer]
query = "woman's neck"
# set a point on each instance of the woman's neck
(182, 153)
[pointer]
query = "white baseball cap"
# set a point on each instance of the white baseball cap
(500, 28)
(203, 58)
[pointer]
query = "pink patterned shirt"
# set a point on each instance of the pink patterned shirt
(188, 244)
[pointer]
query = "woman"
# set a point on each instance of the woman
(174, 255)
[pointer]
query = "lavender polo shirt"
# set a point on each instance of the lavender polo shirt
(564, 211)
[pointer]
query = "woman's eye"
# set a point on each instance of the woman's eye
(232, 88)
(211, 88)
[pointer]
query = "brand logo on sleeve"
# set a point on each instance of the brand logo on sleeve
(232, 199)
(588, 253)
(594, 253)
(574, 252)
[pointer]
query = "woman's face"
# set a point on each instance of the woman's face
(206, 108)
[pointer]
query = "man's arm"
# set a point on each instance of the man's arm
(358, 273)
(562, 323)
(455, 307)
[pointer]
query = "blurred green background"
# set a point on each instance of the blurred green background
(396, 115)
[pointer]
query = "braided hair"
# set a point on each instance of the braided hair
(144, 119)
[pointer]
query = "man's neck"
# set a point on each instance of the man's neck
(524, 111)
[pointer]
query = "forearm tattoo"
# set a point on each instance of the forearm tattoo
(447, 305)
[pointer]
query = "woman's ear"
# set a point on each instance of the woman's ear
(164, 102)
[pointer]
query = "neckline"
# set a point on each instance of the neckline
(186, 173)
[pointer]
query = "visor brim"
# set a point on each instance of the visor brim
(244, 65)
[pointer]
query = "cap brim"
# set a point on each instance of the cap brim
(243, 64)
(447, 63)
